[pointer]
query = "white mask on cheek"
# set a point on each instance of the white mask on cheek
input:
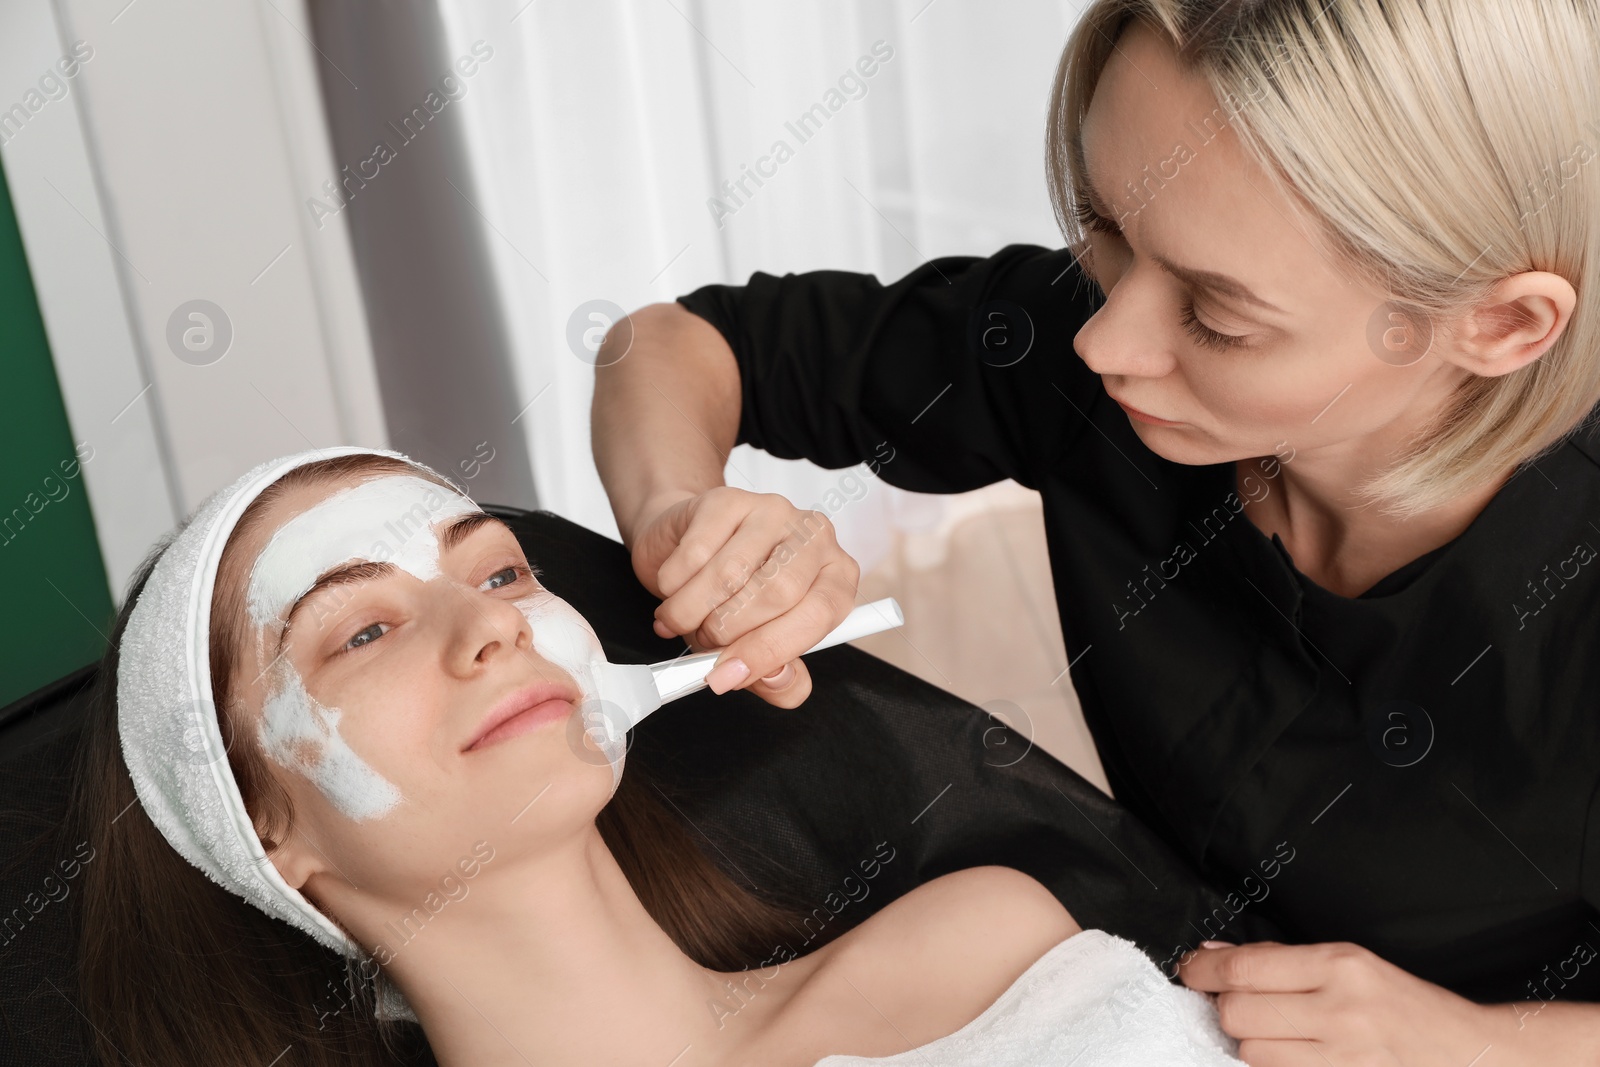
(387, 519)
(565, 638)
(302, 734)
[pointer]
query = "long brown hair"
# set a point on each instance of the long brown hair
(176, 970)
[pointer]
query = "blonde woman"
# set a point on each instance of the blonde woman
(1305, 397)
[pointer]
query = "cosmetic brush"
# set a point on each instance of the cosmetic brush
(637, 689)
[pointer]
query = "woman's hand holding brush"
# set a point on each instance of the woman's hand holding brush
(748, 573)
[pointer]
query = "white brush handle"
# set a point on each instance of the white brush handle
(687, 674)
(867, 619)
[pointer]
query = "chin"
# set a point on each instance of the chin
(1178, 444)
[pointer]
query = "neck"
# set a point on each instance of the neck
(1338, 538)
(554, 960)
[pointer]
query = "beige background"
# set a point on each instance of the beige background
(981, 618)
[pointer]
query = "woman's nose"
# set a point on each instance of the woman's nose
(513, 634)
(1123, 338)
(480, 628)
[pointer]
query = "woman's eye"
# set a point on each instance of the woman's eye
(1092, 221)
(364, 637)
(516, 572)
(1205, 334)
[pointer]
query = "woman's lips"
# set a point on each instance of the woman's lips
(1135, 413)
(525, 710)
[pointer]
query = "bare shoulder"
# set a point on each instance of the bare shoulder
(985, 910)
(934, 959)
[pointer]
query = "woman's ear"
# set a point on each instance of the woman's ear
(295, 858)
(294, 855)
(1518, 321)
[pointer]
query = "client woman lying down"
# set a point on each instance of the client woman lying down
(342, 696)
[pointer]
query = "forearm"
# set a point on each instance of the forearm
(665, 415)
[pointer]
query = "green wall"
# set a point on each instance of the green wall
(55, 600)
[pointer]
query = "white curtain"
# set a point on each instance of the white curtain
(600, 135)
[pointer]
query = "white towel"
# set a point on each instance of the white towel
(1093, 1000)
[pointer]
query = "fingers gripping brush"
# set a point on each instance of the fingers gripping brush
(634, 690)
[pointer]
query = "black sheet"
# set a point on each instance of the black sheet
(790, 799)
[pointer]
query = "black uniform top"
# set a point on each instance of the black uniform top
(1413, 769)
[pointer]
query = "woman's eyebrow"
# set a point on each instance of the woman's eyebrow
(457, 531)
(1217, 283)
(1223, 284)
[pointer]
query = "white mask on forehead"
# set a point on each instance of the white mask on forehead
(383, 519)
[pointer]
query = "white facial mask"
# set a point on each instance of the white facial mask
(302, 734)
(382, 519)
(566, 639)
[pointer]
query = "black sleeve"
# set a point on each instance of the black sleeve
(1589, 869)
(957, 375)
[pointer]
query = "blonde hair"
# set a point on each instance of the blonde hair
(1437, 146)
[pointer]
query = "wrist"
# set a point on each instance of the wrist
(1534, 1031)
(650, 507)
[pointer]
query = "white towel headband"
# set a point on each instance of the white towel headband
(167, 719)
